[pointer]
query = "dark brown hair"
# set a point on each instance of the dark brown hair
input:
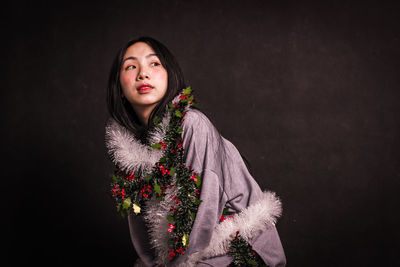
(120, 109)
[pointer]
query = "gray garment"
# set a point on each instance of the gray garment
(225, 182)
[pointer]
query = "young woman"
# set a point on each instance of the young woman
(188, 196)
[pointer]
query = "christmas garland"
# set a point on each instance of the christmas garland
(243, 254)
(240, 250)
(131, 191)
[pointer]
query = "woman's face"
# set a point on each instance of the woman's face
(143, 79)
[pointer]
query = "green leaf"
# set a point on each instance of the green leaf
(147, 177)
(178, 113)
(196, 105)
(156, 146)
(179, 130)
(172, 171)
(156, 120)
(114, 178)
(252, 263)
(123, 214)
(121, 210)
(225, 210)
(126, 203)
(187, 91)
(192, 215)
(198, 182)
(170, 218)
(157, 188)
(197, 202)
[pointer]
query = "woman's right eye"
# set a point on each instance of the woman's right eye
(130, 67)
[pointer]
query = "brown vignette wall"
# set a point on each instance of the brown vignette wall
(308, 92)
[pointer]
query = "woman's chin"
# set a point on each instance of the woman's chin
(145, 102)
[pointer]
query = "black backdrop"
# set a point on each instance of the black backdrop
(308, 92)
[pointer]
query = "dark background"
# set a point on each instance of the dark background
(308, 92)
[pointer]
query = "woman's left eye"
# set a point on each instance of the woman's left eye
(155, 64)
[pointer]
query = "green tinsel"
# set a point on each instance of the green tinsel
(130, 192)
(242, 253)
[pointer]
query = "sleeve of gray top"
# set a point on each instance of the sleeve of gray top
(211, 152)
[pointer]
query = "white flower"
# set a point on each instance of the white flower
(136, 208)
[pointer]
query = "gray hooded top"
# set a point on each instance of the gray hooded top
(226, 182)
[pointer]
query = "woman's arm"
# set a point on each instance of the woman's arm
(227, 182)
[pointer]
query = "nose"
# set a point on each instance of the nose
(143, 74)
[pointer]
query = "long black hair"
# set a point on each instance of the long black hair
(120, 109)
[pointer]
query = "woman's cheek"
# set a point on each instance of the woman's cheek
(160, 74)
(126, 80)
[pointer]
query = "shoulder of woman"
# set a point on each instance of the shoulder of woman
(196, 119)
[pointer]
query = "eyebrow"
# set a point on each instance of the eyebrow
(133, 58)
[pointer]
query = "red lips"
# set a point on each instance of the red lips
(144, 87)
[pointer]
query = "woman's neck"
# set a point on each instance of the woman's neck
(143, 112)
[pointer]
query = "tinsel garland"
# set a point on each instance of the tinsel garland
(242, 253)
(240, 250)
(131, 190)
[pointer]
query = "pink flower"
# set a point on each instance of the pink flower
(171, 254)
(144, 192)
(194, 177)
(172, 208)
(176, 199)
(117, 192)
(171, 227)
(130, 177)
(164, 170)
(223, 218)
(164, 146)
(181, 250)
(123, 194)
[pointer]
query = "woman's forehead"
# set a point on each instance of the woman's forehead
(139, 49)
